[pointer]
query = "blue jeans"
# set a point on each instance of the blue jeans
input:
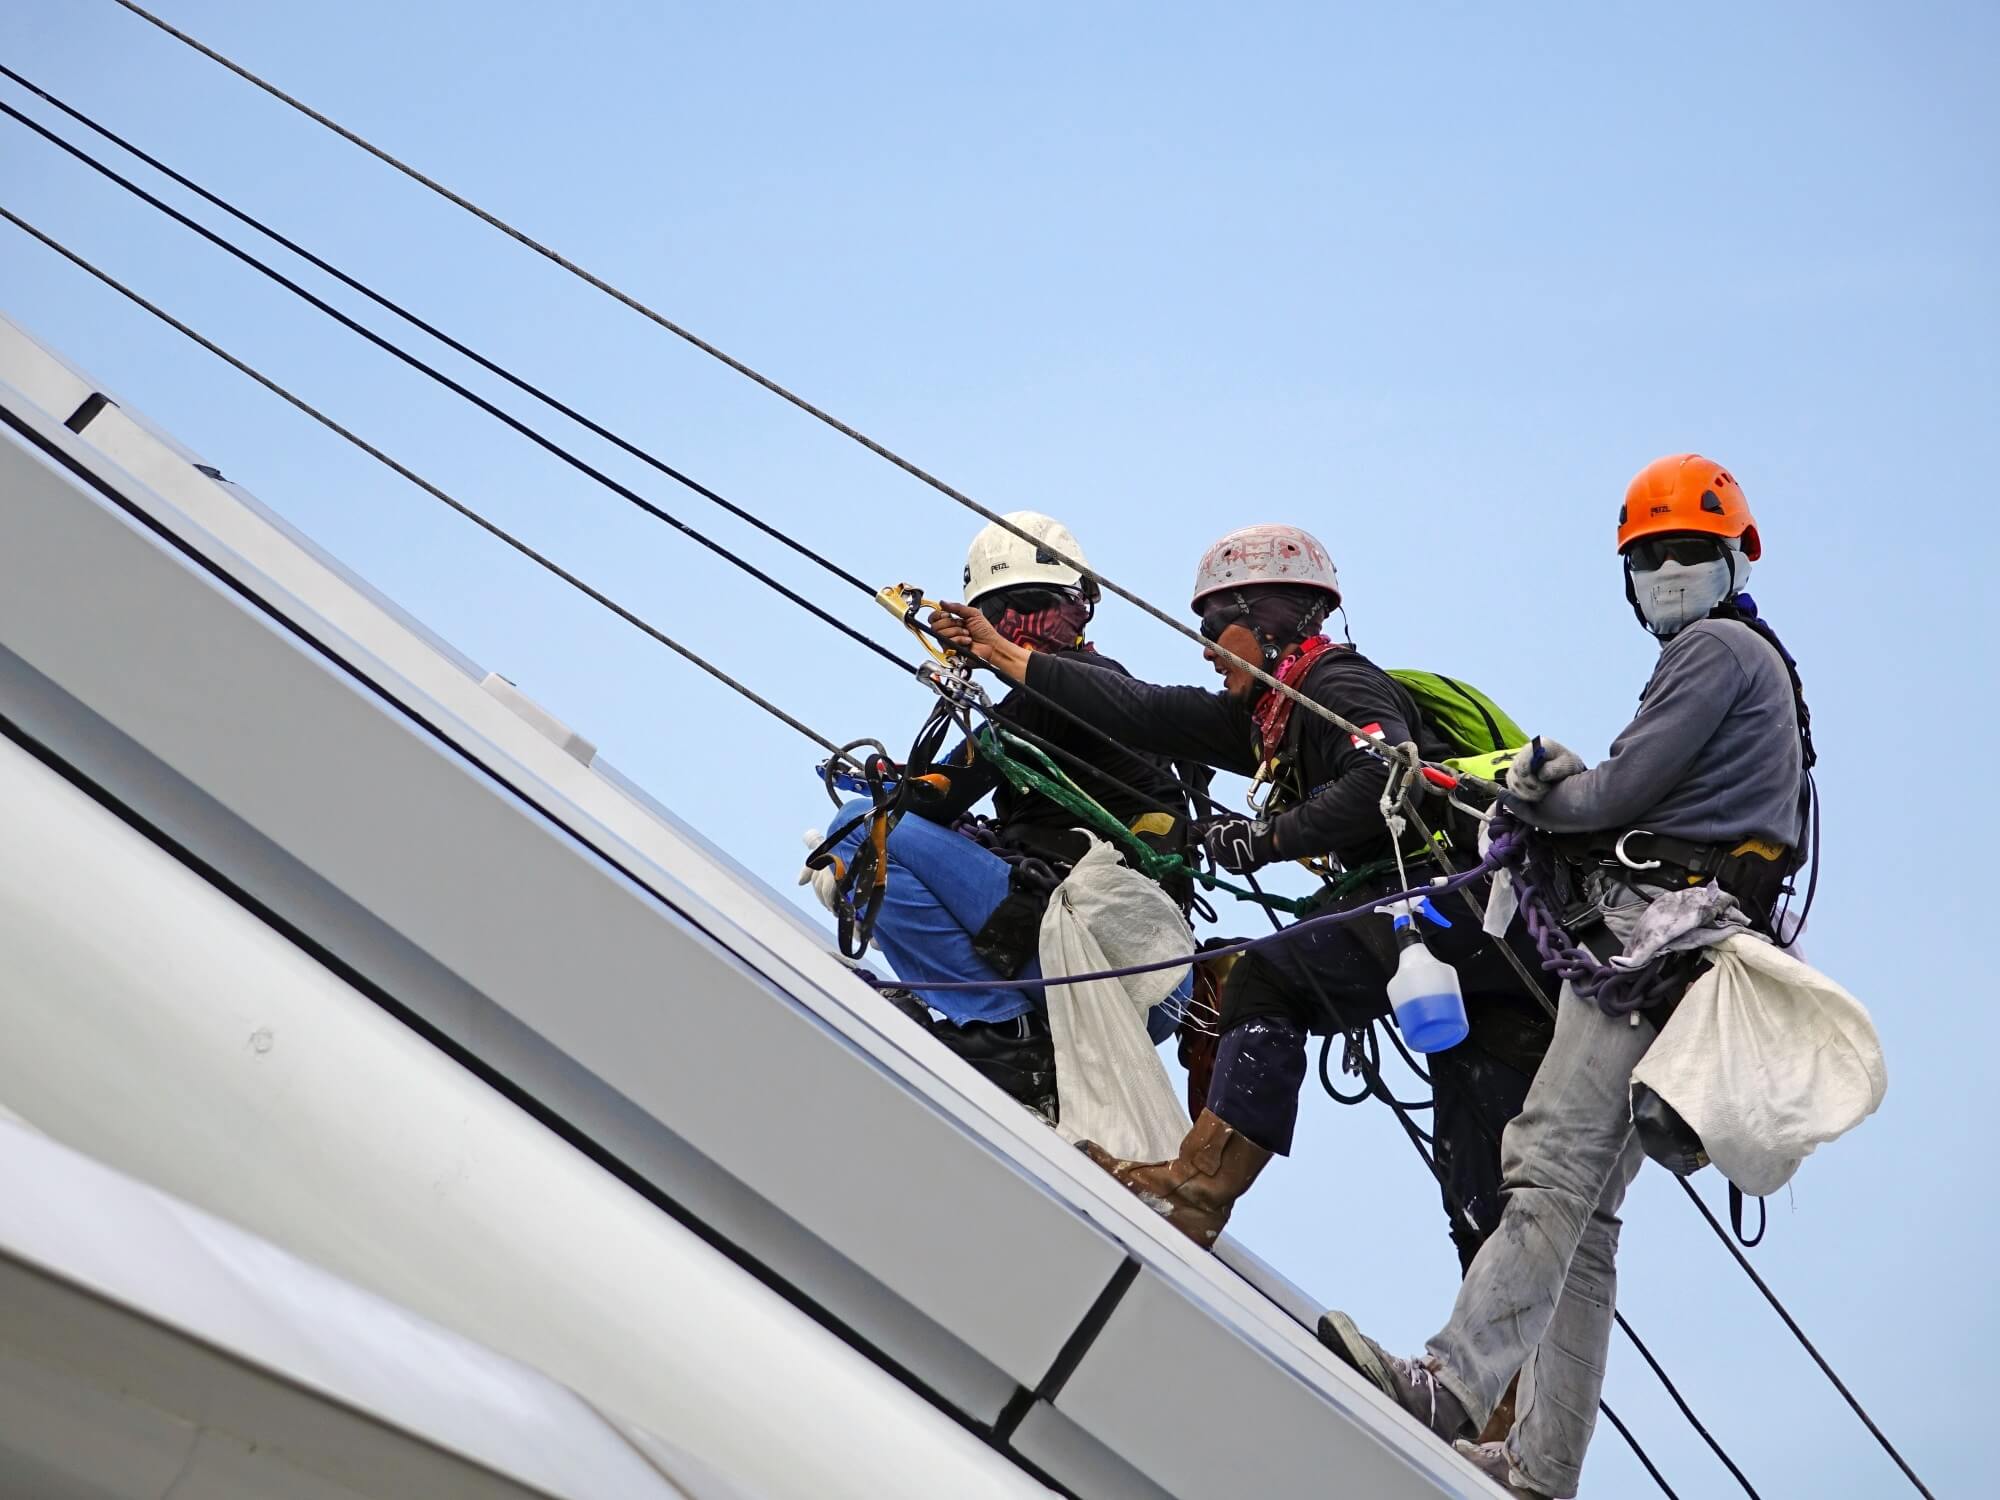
(942, 888)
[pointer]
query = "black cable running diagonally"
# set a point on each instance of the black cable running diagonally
(459, 389)
(1197, 796)
(1800, 1334)
(1633, 1443)
(479, 520)
(624, 492)
(492, 367)
(1256, 670)
(1680, 1401)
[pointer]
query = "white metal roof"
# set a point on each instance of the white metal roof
(151, 1347)
(324, 761)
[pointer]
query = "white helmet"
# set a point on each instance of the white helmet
(998, 559)
(1264, 554)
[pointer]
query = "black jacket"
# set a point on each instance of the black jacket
(1340, 779)
(1028, 812)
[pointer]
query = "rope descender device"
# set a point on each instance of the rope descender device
(903, 600)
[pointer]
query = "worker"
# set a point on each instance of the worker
(964, 897)
(1708, 784)
(1263, 593)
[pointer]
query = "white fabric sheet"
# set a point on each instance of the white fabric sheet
(1110, 1082)
(1766, 1058)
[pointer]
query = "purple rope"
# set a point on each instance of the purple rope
(1504, 847)
(1615, 991)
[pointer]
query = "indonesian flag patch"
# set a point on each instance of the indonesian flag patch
(1361, 742)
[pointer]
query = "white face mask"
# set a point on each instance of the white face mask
(1675, 595)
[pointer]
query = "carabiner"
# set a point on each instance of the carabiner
(1625, 859)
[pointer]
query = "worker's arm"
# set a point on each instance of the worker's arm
(1696, 683)
(1182, 723)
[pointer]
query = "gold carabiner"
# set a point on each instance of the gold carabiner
(903, 600)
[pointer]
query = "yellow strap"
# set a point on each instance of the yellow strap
(1762, 848)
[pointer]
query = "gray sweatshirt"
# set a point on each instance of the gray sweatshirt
(1713, 755)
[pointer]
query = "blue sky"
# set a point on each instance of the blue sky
(1431, 281)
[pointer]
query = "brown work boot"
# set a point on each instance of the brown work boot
(1195, 1191)
(1502, 1421)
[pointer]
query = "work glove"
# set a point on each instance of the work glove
(1239, 845)
(1539, 766)
(825, 881)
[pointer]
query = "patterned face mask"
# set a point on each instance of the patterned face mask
(1043, 619)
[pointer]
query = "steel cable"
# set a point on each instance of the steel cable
(1195, 795)
(1806, 1343)
(924, 476)
(479, 520)
(459, 389)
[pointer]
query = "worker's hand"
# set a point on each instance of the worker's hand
(963, 628)
(1238, 845)
(1539, 766)
(825, 881)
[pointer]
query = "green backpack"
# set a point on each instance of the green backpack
(1477, 727)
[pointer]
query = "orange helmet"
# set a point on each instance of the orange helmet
(1685, 492)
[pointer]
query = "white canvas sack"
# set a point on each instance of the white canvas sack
(1111, 1086)
(1765, 1059)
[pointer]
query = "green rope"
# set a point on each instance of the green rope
(1048, 779)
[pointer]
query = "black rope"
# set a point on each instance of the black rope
(457, 346)
(457, 388)
(722, 356)
(427, 487)
(1804, 1342)
(1195, 795)
(1633, 1443)
(1686, 1410)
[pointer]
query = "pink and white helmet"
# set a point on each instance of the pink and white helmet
(1264, 554)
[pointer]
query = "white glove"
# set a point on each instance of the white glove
(825, 882)
(1539, 766)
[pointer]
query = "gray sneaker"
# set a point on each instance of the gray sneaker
(1491, 1460)
(1411, 1383)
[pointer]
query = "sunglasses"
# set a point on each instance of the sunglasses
(1649, 553)
(1218, 620)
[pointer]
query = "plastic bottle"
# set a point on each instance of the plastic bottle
(1430, 1007)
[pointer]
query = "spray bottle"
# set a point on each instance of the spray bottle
(1430, 1007)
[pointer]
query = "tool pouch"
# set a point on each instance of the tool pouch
(1012, 934)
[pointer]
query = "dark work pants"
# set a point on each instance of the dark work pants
(1334, 979)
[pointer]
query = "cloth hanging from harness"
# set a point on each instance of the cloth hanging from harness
(1111, 1085)
(1765, 1059)
(1274, 709)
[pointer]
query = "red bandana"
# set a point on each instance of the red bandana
(1274, 710)
(1057, 628)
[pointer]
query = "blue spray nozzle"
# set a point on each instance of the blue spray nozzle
(1424, 907)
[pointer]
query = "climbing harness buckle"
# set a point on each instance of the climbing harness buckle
(1625, 859)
